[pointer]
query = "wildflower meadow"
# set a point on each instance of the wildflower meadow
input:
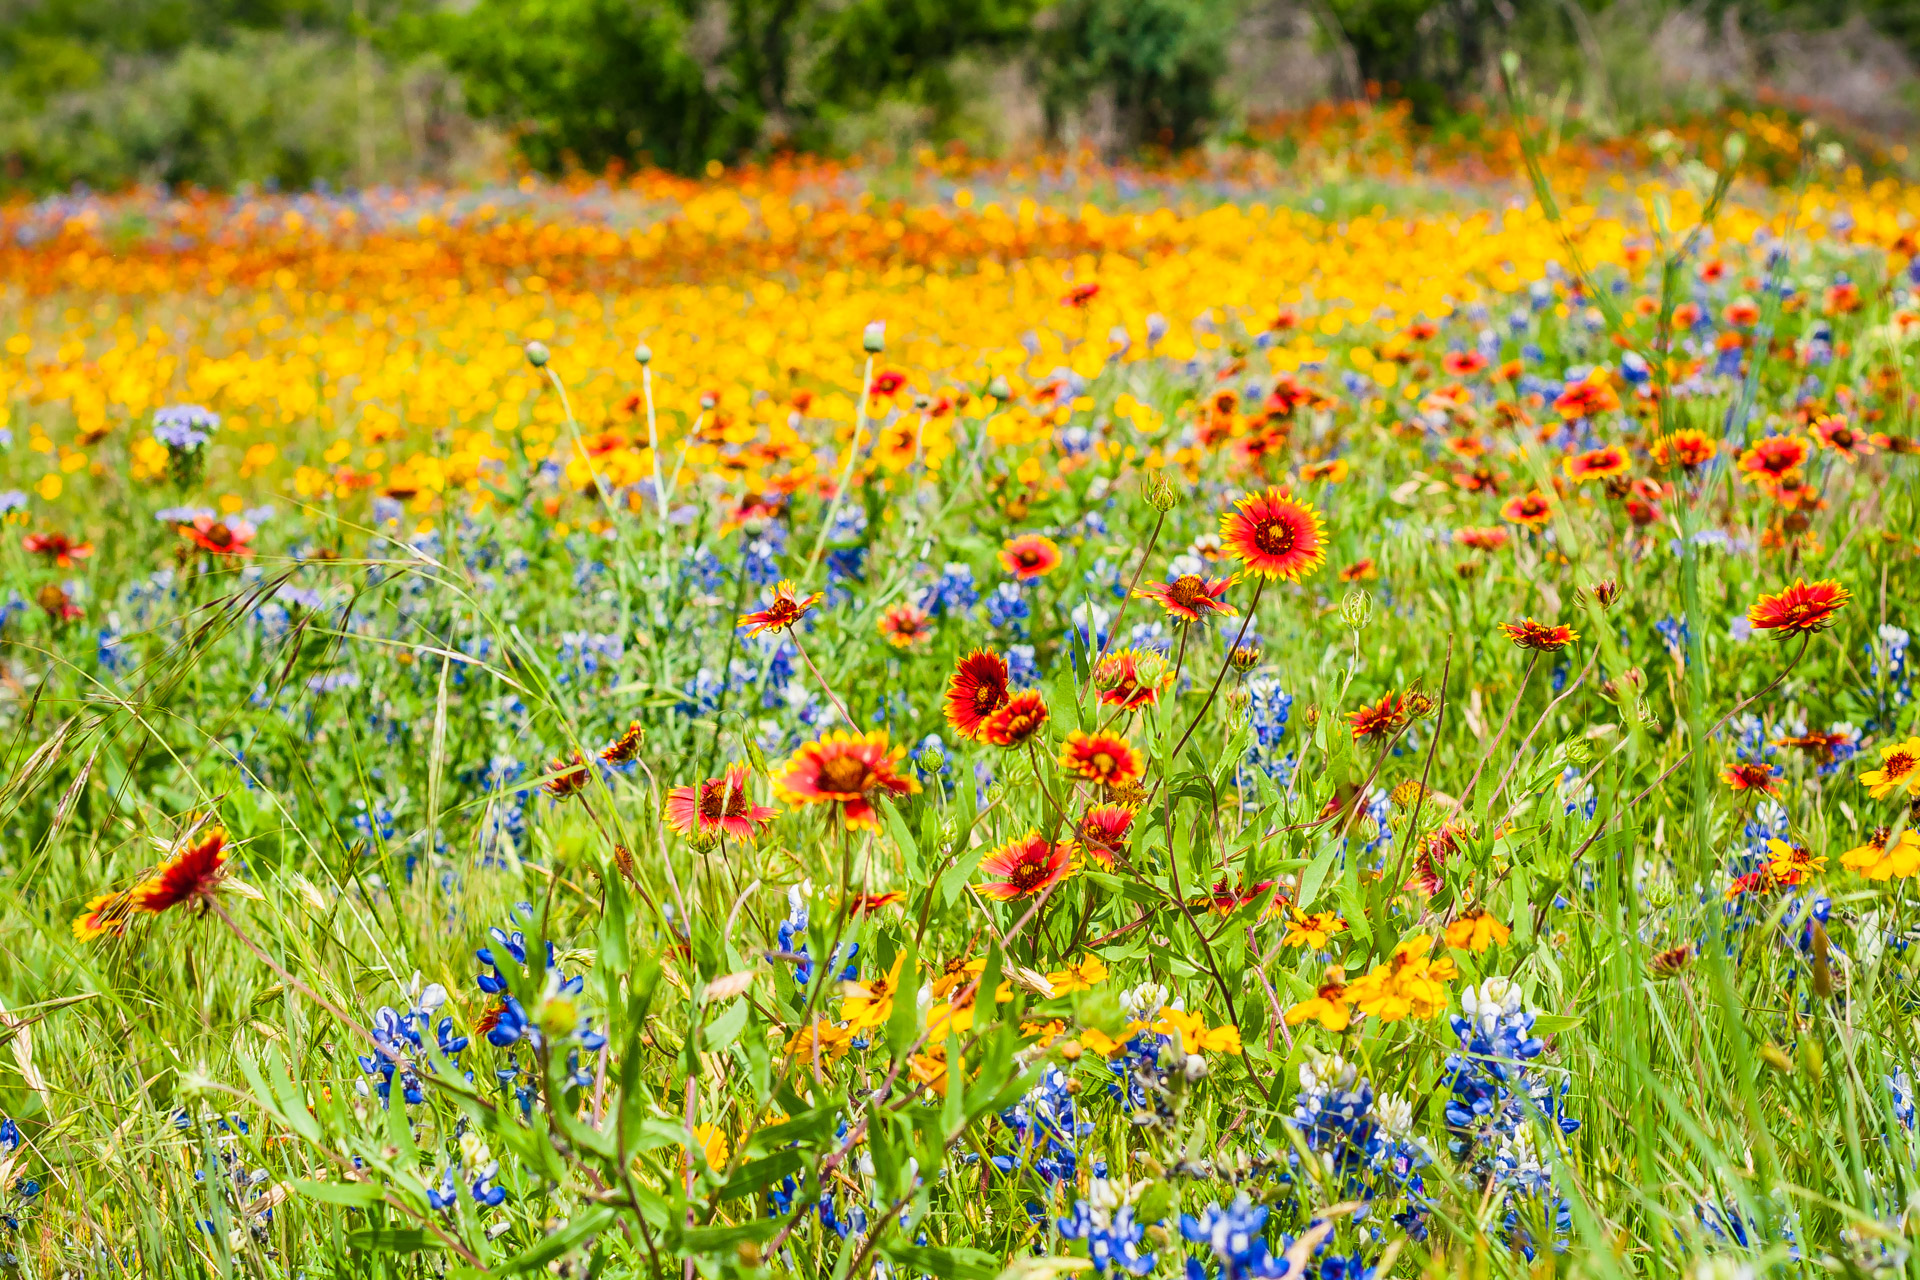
(1333, 711)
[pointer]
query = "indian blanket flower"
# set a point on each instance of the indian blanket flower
(1017, 720)
(57, 547)
(1475, 931)
(625, 747)
(846, 769)
(1833, 432)
(1189, 597)
(190, 877)
(1130, 678)
(1380, 720)
(1772, 458)
(906, 625)
(1487, 539)
(566, 777)
(1029, 556)
(1751, 776)
(1899, 770)
(1586, 399)
(219, 537)
(106, 915)
(1596, 464)
(1687, 448)
(1330, 471)
(1025, 866)
(1275, 535)
(1409, 984)
(1104, 759)
(786, 608)
(1531, 509)
(1103, 831)
(1541, 637)
(1801, 609)
(716, 805)
(1883, 858)
(977, 689)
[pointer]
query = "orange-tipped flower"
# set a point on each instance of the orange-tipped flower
(1743, 776)
(906, 625)
(1381, 719)
(977, 689)
(1688, 448)
(1029, 556)
(1103, 831)
(1801, 609)
(845, 769)
(191, 876)
(1586, 399)
(625, 747)
(219, 537)
(105, 916)
(1596, 464)
(1539, 636)
(1833, 432)
(1531, 509)
(1025, 866)
(1189, 596)
(566, 778)
(1105, 759)
(57, 547)
(1275, 536)
(785, 609)
(1773, 458)
(1018, 719)
(718, 804)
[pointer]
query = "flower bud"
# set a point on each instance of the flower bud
(1605, 592)
(932, 759)
(537, 354)
(1245, 657)
(1356, 609)
(1159, 491)
(1420, 704)
(643, 353)
(875, 338)
(997, 387)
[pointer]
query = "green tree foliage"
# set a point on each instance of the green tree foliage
(1158, 61)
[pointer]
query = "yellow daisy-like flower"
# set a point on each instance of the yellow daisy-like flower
(1313, 930)
(1876, 861)
(1476, 931)
(1330, 1006)
(1086, 975)
(1899, 767)
(1408, 985)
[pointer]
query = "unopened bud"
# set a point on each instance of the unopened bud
(1420, 704)
(932, 759)
(875, 338)
(1812, 1061)
(1578, 750)
(1159, 491)
(1605, 592)
(1244, 657)
(643, 353)
(1356, 609)
(997, 387)
(537, 354)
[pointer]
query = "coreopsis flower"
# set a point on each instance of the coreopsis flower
(1531, 509)
(845, 769)
(1588, 398)
(819, 1042)
(1085, 976)
(1409, 984)
(1025, 866)
(1475, 931)
(625, 747)
(1194, 1034)
(105, 916)
(1596, 464)
(1745, 776)
(1687, 448)
(190, 877)
(906, 625)
(977, 689)
(1881, 858)
(1017, 720)
(1131, 679)
(718, 805)
(866, 904)
(1330, 1004)
(1899, 770)
(1104, 759)
(1792, 863)
(870, 1003)
(1029, 556)
(1189, 597)
(1541, 637)
(219, 537)
(565, 777)
(1832, 431)
(1380, 720)
(1312, 930)
(1801, 609)
(786, 608)
(1274, 535)
(1103, 831)
(57, 547)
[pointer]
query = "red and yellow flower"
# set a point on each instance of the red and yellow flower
(1899, 770)
(718, 804)
(57, 547)
(1104, 759)
(1801, 609)
(1017, 720)
(1029, 556)
(847, 770)
(1597, 464)
(1380, 720)
(1025, 866)
(1103, 831)
(1746, 776)
(219, 537)
(1541, 637)
(1274, 535)
(977, 689)
(786, 608)
(192, 876)
(1123, 680)
(1531, 509)
(1687, 448)
(1189, 596)
(906, 625)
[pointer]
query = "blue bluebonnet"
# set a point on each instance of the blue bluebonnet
(792, 933)
(1007, 608)
(1047, 1129)
(1112, 1233)
(1235, 1236)
(184, 427)
(955, 592)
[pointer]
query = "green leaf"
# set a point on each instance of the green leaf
(579, 1228)
(903, 1026)
(1316, 874)
(755, 1175)
(723, 1030)
(392, 1240)
(1548, 1024)
(355, 1195)
(909, 848)
(948, 1264)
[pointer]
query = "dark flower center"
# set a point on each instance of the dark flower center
(844, 774)
(1274, 537)
(1027, 875)
(1899, 765)
(720, 800)
(1190, 591)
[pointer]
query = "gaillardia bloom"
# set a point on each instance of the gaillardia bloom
(845, 769)
(1275, 536)
(105, 916)
(1899, 768)
(1585, 400)
(625, 747)
(191, 876)
(718, 804)
(1104, 759)
(1772, 458)
(1743, 776)
(1025, 866)
(977, 689)
(219, 537)
(1189, 596)
(57, 547)
(1017, 720)
(1801, 609)
(1596, 464)
(1834, 432)
(1531, 509)
(1688, 448)
(906, 625)
(1539, 636)
(1029, 556)
(1380, 720)
(1103, 831)
(786, 608)
(1131, 679)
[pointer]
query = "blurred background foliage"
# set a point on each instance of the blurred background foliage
(220, 93)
